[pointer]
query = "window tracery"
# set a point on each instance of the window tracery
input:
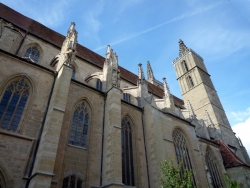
(190, 82)
(127, 153)
(126, 97)
(182, 153)
(184, 66)
(72, 181)
(13, 103)
(79, 126)
(213, 170)
(32, 53)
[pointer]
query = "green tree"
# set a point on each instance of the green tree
(170, 176)
(231, 183)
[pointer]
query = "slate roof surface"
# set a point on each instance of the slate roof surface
(57, 39)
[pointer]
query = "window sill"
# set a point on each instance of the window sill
(79, 147)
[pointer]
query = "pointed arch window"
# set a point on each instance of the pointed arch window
(127, 153)
(99, 84)
(32, 53)
(213, 170)
(79, 126)
(13, 103)
(182, 153)
(190, 82)
(72, 181)
(184, 66)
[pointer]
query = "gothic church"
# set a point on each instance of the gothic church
(70, 118)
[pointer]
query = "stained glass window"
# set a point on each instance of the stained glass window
(182, 153)
(127, 153)
(79, 126)
(72, 182)
(213, 170)
(99, 85)
(13, 103)
(33, 53)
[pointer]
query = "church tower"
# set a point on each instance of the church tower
(197, 88)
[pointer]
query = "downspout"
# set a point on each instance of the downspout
(22, 42)
(103, 123)
(40, 133)
(145, 145)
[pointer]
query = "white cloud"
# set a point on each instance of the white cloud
(183, 16)
(91, 18)
(242, 130)
(241, 115)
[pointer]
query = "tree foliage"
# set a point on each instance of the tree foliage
(231, 183)
(170, 176)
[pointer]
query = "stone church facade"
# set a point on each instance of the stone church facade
(70, 118)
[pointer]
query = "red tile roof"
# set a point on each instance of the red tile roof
(229, 158)
(48, 34)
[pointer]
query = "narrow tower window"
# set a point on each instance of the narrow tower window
(184, 66)
(32, 53)
(190, 82)
(79, 126)
(127, 153)
(13, 103)
(213, 170)
(182, 153)
(99, 85)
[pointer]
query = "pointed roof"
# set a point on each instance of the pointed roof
(182, 48)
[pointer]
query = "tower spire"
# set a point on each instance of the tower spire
(182, 48)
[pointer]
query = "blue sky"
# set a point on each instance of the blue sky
(141, 31)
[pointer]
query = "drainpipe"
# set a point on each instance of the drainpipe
(40, 132)
(145, 145)
(103, 123)
(22, 42)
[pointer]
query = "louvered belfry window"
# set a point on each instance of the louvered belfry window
(213, 170)
(79, 125)
(72, 182)
(182, 153)
(127, 153)
(13, 104)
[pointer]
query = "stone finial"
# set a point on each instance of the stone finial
(108, 52)
(182, 48)
(166, 88)
(209, 121)
(150, 73)
(111, 56)
(191, 110)
(141, 73)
